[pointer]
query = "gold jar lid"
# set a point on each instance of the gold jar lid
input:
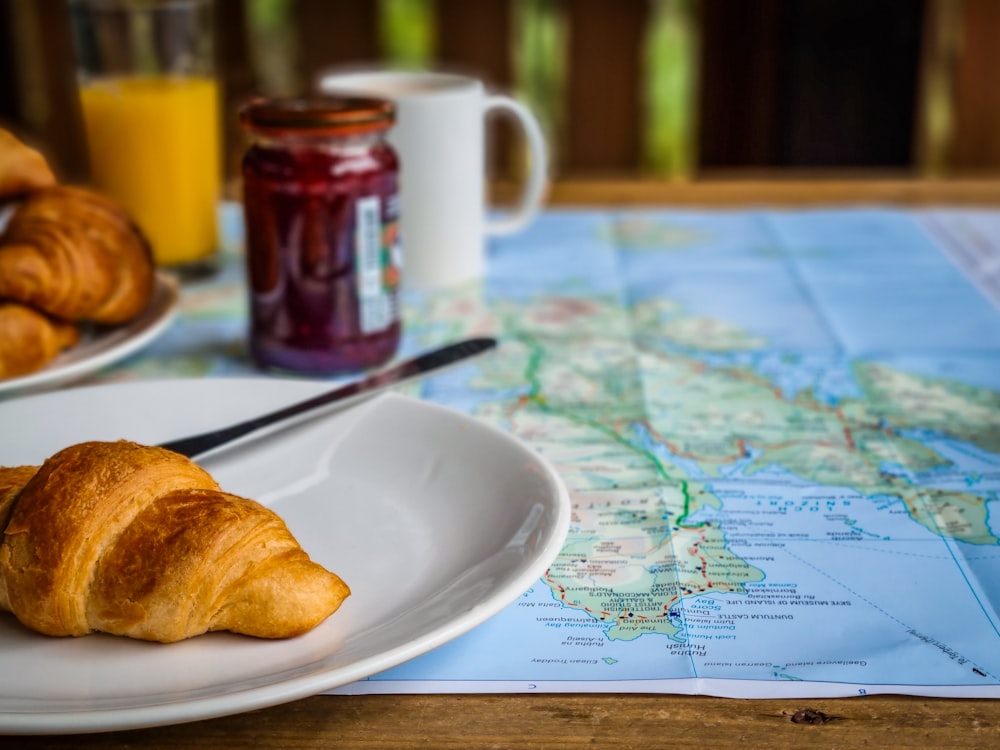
(332, 115)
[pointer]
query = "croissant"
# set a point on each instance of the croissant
(22, 169)
(29, 340)
(140, 541)
(76, 255)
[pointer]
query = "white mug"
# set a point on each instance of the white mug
(439, 136)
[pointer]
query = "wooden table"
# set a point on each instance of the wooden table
(543, 722)
(765, 190)
(622, 722)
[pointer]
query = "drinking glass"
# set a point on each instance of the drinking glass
(150, 104)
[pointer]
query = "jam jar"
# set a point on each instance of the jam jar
(321, 207)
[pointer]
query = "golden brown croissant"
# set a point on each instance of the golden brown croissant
(29, 340)
(139, 541)
(12, 479)
(22, 169)
(76, 255)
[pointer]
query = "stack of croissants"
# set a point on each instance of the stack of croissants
(69, 256)
(117, 537)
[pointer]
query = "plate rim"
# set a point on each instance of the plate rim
(152, 321)
(21, 722)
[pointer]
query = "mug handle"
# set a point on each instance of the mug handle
(531, 197)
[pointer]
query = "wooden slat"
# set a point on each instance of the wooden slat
(976, 144)
(48, 111)
(475, 38)
(602, 122)
(10, 105)
(236, 77)
(62, 115)
(333, 34)
(738, 60)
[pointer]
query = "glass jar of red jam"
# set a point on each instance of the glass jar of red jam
(320, 198)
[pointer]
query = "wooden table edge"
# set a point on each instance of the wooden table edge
(570, 720)
(762, 192)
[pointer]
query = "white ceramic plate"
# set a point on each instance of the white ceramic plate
(100, 348)
(434, 519)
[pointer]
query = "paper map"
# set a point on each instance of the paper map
(780, 431)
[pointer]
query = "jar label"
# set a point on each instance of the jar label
(375, 247)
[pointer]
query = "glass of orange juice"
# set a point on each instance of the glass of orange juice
(150, 105)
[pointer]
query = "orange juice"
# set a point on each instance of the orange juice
(154, 148)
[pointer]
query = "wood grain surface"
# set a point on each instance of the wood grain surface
(762, 189)
(540, 722)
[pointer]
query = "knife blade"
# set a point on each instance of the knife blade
(399, 374)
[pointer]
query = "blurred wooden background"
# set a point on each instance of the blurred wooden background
(659, 89)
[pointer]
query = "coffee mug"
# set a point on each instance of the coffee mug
(440, 136)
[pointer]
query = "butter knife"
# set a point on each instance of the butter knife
(404, 372)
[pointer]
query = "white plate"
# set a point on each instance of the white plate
(435, 520)
(104, 347)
